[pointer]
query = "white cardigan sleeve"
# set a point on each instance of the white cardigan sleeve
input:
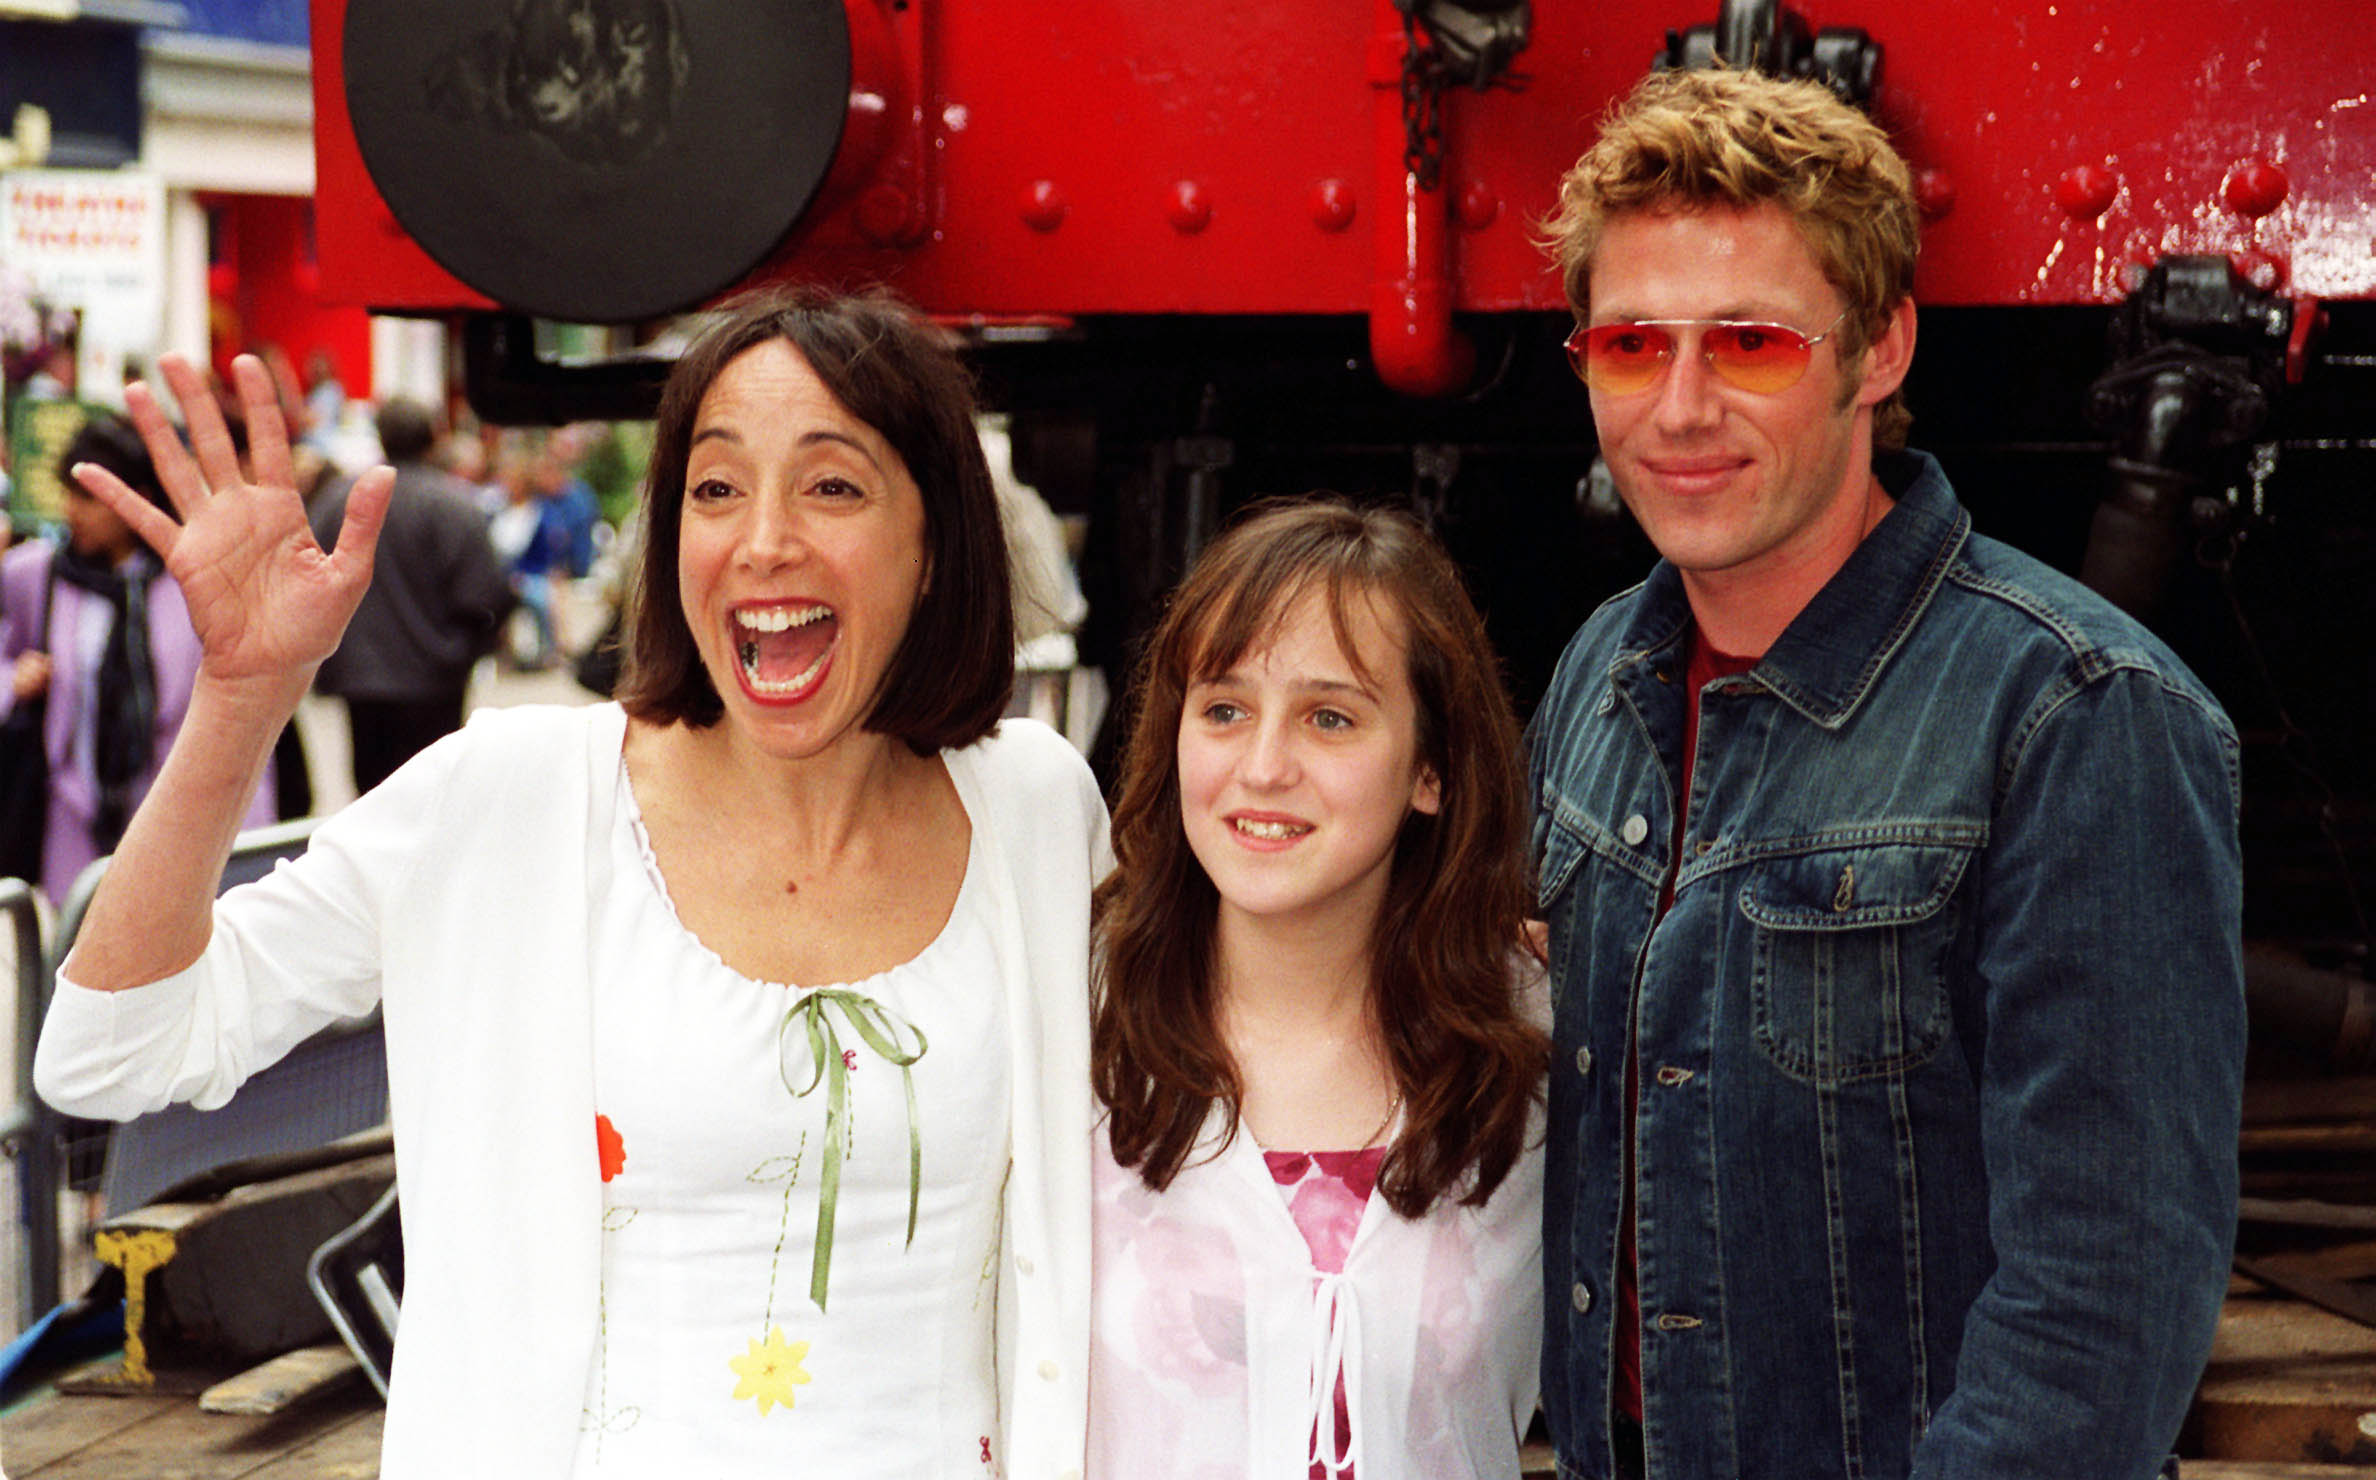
(290, 954)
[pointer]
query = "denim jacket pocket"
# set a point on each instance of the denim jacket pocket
(1586, 881)
(1850, 944)
(1565, 835)
(1557, 851)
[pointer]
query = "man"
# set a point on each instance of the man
(1892, 881)
(438, 597)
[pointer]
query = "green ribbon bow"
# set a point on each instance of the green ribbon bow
(881, 1030)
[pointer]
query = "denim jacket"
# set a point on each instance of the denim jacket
(1940, 1044)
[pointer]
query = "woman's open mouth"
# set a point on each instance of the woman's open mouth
(782, 650)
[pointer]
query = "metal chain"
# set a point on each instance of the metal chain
(1447, 42)
(1423, 109)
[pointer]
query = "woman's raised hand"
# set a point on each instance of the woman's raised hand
(267, 603)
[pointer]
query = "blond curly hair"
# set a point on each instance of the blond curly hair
(1688, 140)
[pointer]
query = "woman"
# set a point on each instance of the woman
(94, 624)
(1319, 1045)
(663, 1216)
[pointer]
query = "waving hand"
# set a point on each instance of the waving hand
(267, 603)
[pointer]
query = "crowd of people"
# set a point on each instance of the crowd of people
(1749, 1067)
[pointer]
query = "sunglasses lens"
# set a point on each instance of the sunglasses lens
(1621, 359)
(1763, 358)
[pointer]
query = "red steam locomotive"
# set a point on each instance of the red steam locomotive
(1204, 252)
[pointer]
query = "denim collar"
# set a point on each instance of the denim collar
(1828, 658)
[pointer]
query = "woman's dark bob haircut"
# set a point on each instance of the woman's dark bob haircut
(948, 683)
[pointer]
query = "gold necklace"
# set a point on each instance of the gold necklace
(1393, 1108)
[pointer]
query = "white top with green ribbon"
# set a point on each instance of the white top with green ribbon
(811, 1053)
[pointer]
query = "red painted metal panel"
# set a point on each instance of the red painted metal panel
(1059, 139)
(2167, 99)
(264, 288)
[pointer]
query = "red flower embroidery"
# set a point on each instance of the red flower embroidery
(609, 1149)
(985, 1449)
(849, 1058)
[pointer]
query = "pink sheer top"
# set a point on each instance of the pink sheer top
(1326, 1192)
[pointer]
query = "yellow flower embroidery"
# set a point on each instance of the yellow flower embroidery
(770, 1370)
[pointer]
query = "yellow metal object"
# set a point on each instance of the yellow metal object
(137, 1252)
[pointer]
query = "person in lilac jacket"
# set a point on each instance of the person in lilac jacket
(93, 622)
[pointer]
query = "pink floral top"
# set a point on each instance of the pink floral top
(1265, 1315)
(1326, 1193)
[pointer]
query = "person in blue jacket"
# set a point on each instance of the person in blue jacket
(1892, 882)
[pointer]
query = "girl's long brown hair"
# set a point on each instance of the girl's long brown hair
(1467, 1061)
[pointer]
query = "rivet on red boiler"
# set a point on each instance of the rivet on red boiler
(2086, 191)
(1478, 206)
(1044, 206)
(2255, 187)
(1191, 209)
(885, 214)
(1934, 193)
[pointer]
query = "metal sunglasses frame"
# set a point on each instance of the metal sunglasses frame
(1576, 356)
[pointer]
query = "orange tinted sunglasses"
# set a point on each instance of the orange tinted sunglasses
(1627, 359)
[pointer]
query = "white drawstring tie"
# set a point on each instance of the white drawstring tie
(1336, 1358)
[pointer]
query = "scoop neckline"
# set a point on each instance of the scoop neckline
(656, 884)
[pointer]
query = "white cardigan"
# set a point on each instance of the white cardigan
(457, 895)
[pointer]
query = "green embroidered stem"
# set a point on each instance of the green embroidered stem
(882, 1031)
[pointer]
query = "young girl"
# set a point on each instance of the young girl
(1317, 1039)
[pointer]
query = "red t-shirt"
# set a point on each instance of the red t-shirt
(1704, 666)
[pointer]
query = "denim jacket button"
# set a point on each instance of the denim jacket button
(1633, 829)
(1582, 1297)
(1583, 1061)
